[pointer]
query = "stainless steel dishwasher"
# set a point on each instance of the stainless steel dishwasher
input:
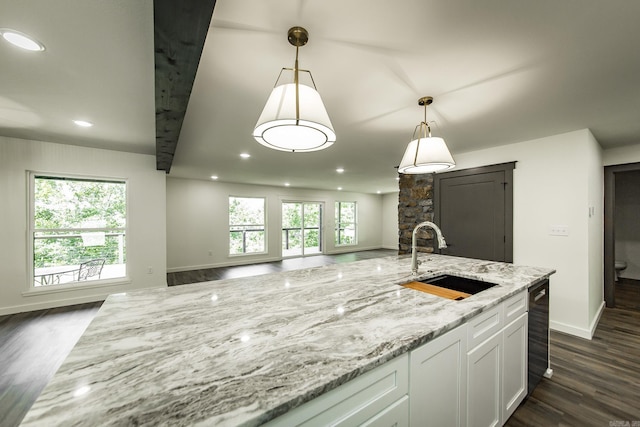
(538, 334)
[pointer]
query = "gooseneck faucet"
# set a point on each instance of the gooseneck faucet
(414, 253)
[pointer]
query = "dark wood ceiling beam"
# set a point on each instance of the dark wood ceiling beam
(180, 29)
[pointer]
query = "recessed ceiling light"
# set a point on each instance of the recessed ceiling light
(83, 123)
(21, 40)
(378, 192)
(286, 184)
(245, 155)
(340, 170)
(214, 177)
(339, 188)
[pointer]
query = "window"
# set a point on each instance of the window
(346, 219)
(246, 225)
(78, 229)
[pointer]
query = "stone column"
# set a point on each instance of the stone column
(415, 205)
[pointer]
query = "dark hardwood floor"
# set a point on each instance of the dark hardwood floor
(32, 347)
(627, 295)
(205, 275)
(595, 383)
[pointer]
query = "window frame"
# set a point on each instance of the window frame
(339, 223)
(31, 288)
(264, 226)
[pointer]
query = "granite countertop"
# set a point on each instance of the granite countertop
(243, 351)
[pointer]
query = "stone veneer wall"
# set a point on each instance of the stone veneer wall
(415, 205)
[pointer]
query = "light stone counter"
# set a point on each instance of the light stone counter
(243, 351)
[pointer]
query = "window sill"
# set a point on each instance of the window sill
(68, 287)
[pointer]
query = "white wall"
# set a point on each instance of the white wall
(390, 221)
(621, 155)
(556, 180)
(595, 210)
(198, 221)
(146, 228)
(627, 222)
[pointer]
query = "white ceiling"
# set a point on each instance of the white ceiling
(500, 71)
(97, 66)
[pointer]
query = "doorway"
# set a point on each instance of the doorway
(622, 235)
(474, 209)
(302, 233)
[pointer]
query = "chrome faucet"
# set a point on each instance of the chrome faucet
(414, 253)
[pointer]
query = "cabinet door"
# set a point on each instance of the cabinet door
(438, 377)
(514, 365)
(483, 386)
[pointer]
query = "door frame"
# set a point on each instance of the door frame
(321, 233)
(507, 168)
(609, 228)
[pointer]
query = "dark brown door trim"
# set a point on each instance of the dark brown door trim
(507, 168)
(609, 231)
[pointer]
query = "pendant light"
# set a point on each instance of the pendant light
(294, 118)
(425, 153)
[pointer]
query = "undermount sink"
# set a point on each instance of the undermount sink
(451, 287)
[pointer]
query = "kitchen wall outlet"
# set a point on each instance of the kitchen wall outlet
(149, 270)
(559, 230)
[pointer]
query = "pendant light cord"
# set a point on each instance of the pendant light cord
(426, 124)
(295, 80)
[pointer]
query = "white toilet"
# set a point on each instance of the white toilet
(619, 266)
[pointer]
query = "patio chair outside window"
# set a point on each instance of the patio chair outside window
(90, 269)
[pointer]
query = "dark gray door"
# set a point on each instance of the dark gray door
(474, 209)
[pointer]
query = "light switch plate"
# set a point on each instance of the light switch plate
(559, 230)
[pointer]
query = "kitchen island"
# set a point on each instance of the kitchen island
(245, 351)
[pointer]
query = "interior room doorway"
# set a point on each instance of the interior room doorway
(302, 232)
(621, 243)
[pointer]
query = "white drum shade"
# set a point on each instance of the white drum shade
(277, 127)
(426, 155)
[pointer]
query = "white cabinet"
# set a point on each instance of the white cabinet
(483, 385)
(497, 363)
(396, 415)
(514, 365)
(485, 325)
(377, 398)
(438, 377)
(475, 375)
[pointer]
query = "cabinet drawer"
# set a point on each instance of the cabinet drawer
(515, 306)
(355, 401)
(396, 415)
(484, 325)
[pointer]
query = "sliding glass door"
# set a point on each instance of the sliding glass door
(301, 228)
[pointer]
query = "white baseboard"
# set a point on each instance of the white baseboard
(51, 304)
(347, 249)
(579, 332)
(64, 302)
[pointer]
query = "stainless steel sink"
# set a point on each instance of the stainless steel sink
(451, 287)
